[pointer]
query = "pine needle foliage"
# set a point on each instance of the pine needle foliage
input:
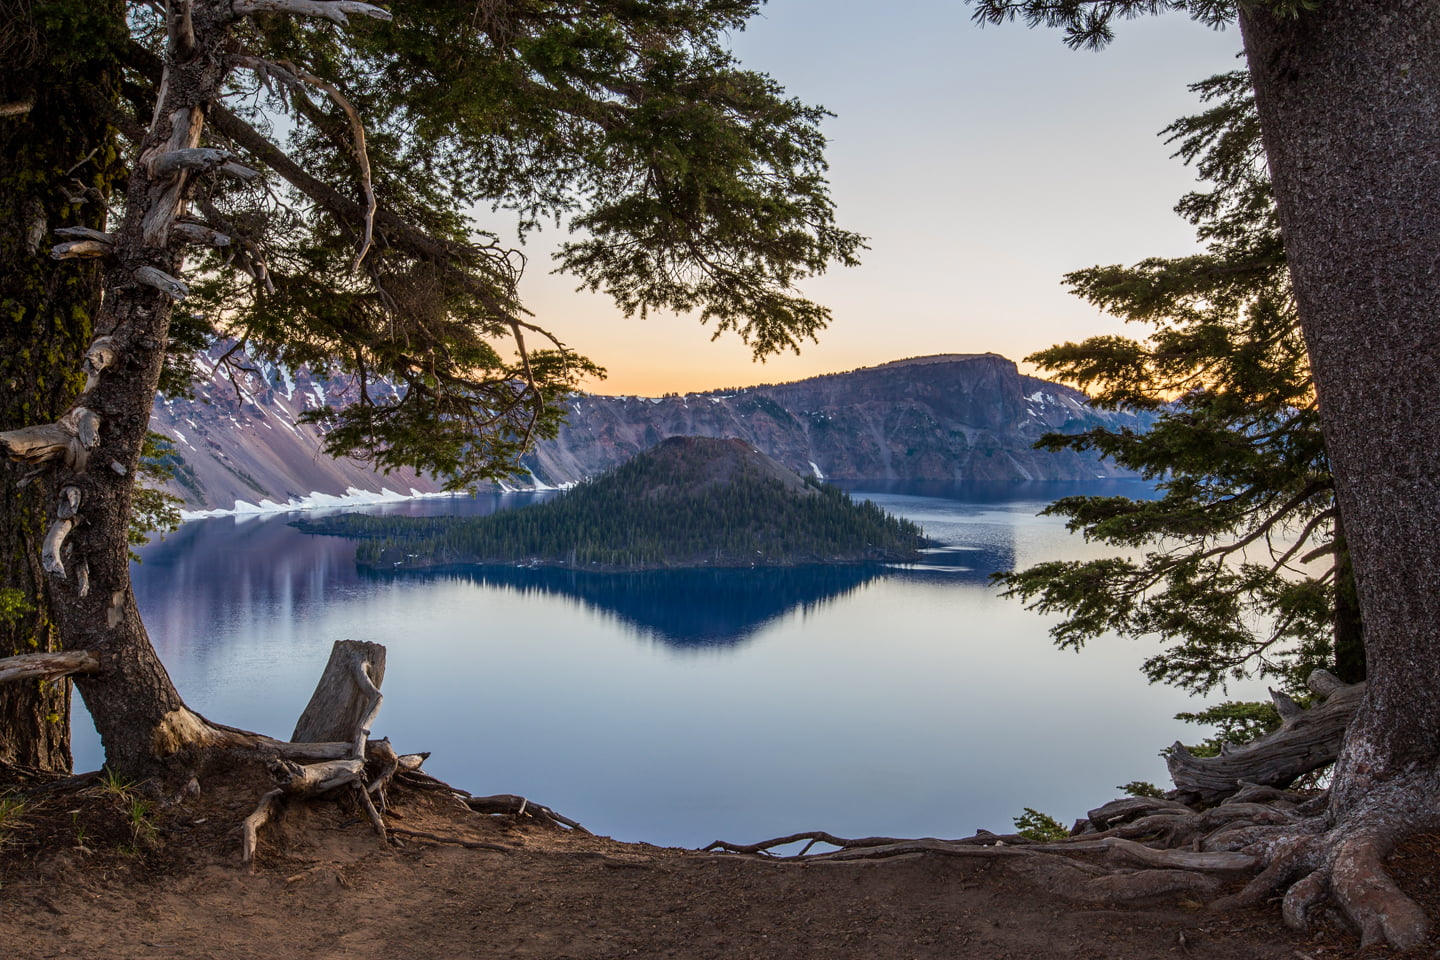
(1090, 24)
(687, 183)
(1235, 566)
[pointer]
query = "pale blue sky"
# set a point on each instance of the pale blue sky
(983, 163)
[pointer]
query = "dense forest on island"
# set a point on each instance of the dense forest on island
(689, 502)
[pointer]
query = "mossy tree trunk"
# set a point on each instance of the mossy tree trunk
(58, 162)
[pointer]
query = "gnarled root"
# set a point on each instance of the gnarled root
(1345, 867)
(504, 804)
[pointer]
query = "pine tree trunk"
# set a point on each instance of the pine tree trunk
(57, 163)
(1349, 100)
(143, 723)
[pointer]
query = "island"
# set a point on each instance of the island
(686, 502)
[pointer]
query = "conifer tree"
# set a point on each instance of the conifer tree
(314, 162)
(1237, 567)
(1348, 97)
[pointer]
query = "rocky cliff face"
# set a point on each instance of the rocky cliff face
(965, 417)
(961, 417)
(239, 439)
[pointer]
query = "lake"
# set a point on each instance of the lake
(682, 707)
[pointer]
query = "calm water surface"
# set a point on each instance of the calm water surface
(683, 707)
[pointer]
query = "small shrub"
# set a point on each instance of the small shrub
(1141, 788)
(1041, 827)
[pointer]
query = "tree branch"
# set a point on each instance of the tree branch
(332, 10)
(47, 666)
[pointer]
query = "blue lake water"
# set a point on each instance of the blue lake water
(687, 706)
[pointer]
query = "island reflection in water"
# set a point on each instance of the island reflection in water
(714, 608)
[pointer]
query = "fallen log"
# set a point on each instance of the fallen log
(1306, 740)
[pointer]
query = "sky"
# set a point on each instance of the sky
(982, 162)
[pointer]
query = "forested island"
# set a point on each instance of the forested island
(688, 502)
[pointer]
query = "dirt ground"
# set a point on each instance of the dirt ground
(104, 873)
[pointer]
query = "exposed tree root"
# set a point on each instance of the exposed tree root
(454, 841)
(504, 804)
(1306, 741)
(1138, 848)
(1317, 863)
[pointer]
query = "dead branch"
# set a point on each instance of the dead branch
(47, 666)
(162, 281)
(100, 356)
(191, 159)
(357, 145)
(84, 233)
(81, 249)
(332, 10)
(50, 557)
(185, 126)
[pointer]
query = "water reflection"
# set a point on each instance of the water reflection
(865, 701)
(214, 574)
(690, 609)
(683, 609)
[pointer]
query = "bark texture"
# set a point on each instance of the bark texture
(57, 164)
(1349, 101)
(140, 716)
(1349, 98)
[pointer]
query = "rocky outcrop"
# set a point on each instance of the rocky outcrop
(955, 417)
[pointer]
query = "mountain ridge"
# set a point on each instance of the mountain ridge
(951, 417)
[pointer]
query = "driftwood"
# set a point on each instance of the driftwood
(1305, 741)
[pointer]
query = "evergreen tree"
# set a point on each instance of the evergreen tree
(59, 160)
(1348, 96)
(314, 160)
(1242, 571)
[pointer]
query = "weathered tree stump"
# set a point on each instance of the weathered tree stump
(342, 708)
(347, 696)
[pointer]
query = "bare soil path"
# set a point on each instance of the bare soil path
(83, 874)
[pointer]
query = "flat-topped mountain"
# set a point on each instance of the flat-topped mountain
(955, 417)
(687, 502)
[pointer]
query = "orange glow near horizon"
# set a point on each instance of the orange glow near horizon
(982, 165)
